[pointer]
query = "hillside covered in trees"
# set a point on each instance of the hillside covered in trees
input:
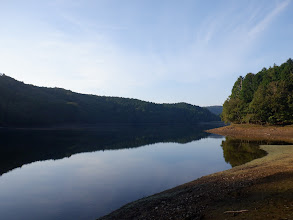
(262, 98)
(27, 105)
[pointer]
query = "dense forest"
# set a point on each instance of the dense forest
(27, 105)
(262, 98)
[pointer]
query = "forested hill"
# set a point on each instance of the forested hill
(27, 105)
(265, 97)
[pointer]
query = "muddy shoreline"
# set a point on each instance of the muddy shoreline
(260, 189)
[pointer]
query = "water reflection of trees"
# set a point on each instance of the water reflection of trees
(19, 147)
(237, 152)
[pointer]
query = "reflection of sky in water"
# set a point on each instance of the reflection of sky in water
(88, 185)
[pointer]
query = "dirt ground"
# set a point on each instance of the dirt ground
(260, 189)
(256, 132)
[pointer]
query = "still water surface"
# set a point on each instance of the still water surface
(120, 165)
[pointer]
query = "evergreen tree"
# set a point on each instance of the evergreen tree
(266, 97)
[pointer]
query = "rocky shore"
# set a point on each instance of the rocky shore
(260, 189)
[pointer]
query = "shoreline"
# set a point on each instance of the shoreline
(105, 124)
(260, 189)
(256, 132)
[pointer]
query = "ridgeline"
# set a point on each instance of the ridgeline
(215, 109)
(23, 105)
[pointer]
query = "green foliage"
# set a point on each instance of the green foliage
(28, 105)
(249, 85)
(232, 110)
(262, 98)
(236, 90)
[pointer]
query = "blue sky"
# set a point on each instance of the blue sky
(155, 50)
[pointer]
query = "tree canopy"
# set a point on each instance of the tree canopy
(262, 98)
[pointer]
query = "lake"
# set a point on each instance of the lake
(86, 173)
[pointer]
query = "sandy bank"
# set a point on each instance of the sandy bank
(256, 132)
(263, 188)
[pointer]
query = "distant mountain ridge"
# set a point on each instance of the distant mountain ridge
(215, 109)
(27, 105)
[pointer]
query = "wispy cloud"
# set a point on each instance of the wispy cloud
(265, 22)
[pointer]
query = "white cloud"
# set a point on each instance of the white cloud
(264, 23)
